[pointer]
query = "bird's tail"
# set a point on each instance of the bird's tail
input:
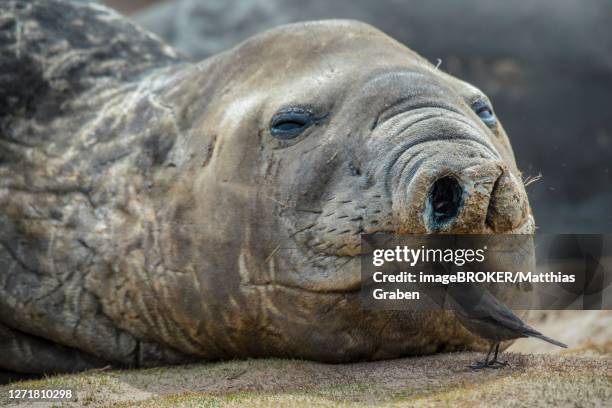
(540, 336)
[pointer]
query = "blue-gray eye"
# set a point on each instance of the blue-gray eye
(290, 123)
(485, 113)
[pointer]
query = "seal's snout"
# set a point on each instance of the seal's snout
(479, 198)
(445, 199)
(452, 194)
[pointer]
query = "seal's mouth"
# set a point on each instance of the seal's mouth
(330, 273)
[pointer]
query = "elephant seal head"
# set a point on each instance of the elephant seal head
(298, 141)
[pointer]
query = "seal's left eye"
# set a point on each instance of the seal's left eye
(290, 123)
(485, 113)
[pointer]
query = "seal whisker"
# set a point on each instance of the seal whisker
(532, 179)
(272, 253)
(308, 210)
(277, 201)
(331, 159)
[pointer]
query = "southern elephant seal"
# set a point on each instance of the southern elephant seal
(159, 211)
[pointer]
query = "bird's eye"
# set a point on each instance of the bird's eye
(290, 123)
(485, 113)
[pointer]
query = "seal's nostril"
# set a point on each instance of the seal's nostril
(445, 198)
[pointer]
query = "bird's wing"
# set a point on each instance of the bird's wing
(484, 306)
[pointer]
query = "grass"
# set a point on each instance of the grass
(439, 380)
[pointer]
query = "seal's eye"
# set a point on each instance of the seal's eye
(485, 113)
(290, 123)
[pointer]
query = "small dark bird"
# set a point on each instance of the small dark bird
(483, 315)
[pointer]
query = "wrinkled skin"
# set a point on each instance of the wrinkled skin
(150, 217)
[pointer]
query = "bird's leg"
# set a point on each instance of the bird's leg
(483, 364)
(495, 361)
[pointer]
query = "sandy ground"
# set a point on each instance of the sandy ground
(530, 380)
(579, 376)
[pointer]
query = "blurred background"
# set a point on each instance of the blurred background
(545, 64)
